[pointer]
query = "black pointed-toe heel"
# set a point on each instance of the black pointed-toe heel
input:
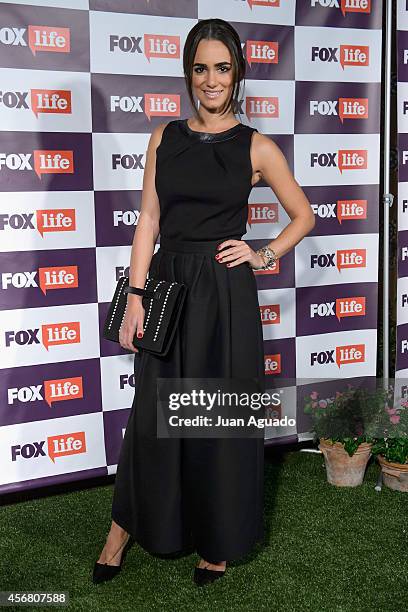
(203, 576)
(102, 572)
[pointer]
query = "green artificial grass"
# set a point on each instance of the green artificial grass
(327, 549)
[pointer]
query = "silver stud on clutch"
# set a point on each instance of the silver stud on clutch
(162, 312)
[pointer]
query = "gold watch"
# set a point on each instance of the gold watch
(269, 256)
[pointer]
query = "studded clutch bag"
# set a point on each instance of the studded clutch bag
(163, 302)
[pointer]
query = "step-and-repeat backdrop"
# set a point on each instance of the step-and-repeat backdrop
(401, 355)
(83, 84)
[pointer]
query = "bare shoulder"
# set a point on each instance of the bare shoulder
(265, 151)
(156, 135)
(262, 145)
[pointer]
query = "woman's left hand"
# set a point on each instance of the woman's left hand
(238, 252)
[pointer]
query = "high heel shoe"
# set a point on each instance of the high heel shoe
(203, 576)
(102, 572)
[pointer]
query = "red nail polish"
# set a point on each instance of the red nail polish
(140, 335)
(216, 256)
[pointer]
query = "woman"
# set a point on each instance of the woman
(200, 494)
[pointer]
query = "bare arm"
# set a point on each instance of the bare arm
(147, 228)
(144, 240)
(271, 164)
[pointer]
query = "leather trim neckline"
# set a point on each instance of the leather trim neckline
(209, 136)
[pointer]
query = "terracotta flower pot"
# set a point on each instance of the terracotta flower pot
(395, 475)
(343, 470)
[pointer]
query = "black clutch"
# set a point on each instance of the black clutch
(162, 301)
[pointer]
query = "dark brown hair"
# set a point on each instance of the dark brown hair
(215, 29)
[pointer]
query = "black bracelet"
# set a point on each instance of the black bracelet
(138, 291)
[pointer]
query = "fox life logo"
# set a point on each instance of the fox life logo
(57, 446)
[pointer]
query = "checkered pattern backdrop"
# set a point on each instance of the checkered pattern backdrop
(83, 84)
(401, 355)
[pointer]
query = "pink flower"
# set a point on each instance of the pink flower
(404, 403)
(314, 395)
(338, 394)
(395, 419)
(322, 404)
(391, 410)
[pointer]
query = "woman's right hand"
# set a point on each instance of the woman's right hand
(133, 322)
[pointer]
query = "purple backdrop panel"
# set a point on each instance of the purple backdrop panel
(402, 253)
(37, 393)
(44, 38)
(337, 108)
(31, 279)
(180, 8)
(280, 362)
(335, 308)
(116, 216)
(137, 104)
(401, 355)
(403, 157)
(45, 161)
(340, 13)
(268, 49)
(114, 421)
(402, 64)
(344, 209)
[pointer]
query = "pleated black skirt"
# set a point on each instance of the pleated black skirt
(203, 494)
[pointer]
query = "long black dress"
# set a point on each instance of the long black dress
(200, 494)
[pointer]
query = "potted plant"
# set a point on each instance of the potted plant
(344, 425)
(391, 450)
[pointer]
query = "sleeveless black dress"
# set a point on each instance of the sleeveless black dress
(203, 494)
